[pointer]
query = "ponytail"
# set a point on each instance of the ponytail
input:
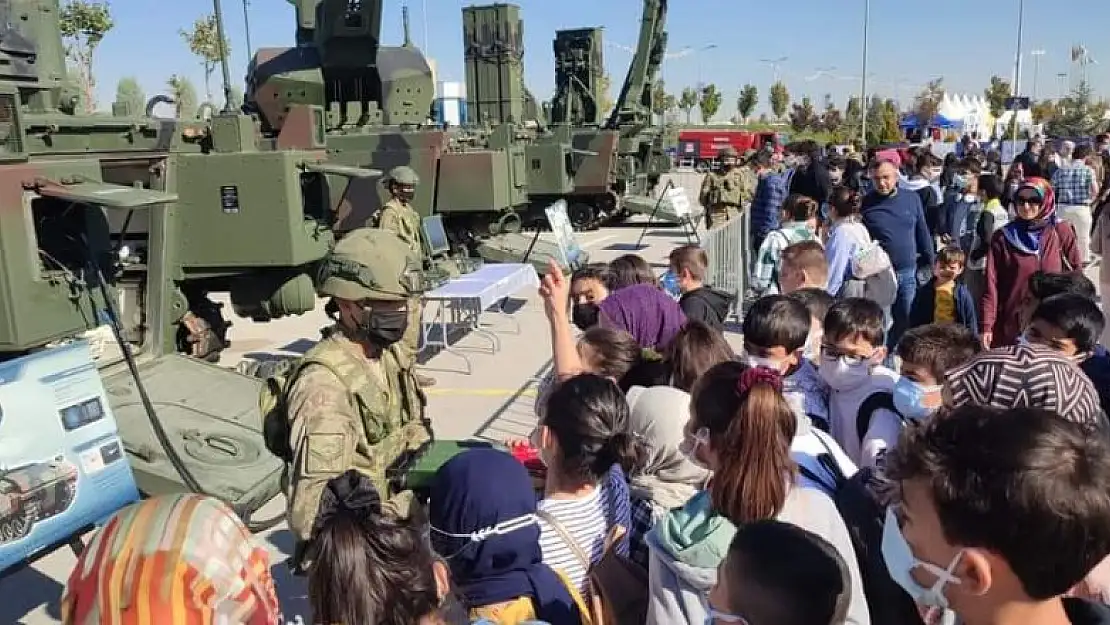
(751, 427)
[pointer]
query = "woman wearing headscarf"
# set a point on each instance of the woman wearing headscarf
(645, 312)
(489, 537)
(1035, 240)
(172, 559)
(668, 478)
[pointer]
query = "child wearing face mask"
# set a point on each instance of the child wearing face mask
(927, 353)
(850, 355)
(776, 331)
(1004, 550)
(1071, 325)
(959, 216)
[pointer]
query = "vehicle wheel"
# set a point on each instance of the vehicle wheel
(581, 215)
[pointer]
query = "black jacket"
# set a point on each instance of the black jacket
(924, 303)
(1084, 612)
(707, 305)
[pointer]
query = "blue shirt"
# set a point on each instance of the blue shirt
(897, 222)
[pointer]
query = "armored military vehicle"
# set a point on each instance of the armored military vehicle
(378, 104)
(34, 493)
(132, 222)
(619, 159)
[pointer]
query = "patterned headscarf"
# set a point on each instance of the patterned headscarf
(1026, 235)
(1025, 376)
(174, 559)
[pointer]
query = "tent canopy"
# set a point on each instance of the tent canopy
(910, 121)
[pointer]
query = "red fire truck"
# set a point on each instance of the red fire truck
(698, 148)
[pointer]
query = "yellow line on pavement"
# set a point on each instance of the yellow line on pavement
(482, 392)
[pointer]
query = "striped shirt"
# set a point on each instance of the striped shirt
(586, 519)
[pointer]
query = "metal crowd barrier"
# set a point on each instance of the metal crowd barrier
(729, 252)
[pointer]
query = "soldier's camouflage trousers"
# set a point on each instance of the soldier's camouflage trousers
(719, 215)
(409, 348)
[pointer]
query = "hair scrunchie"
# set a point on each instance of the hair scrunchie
(758, 375)
(350, 493)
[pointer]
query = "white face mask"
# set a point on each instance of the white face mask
(767, 363)
(689, 447)
(900, 563)
(835, 176)
(842, 373)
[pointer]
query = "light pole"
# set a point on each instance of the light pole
(1017, 71)
(708, 46)
(863, 80)
(775, 63)
(1036, 54)
(247, 26)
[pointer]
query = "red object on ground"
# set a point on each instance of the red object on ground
(529, 456)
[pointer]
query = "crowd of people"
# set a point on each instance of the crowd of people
(913, 432)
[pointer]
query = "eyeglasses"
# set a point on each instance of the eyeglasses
(830, 352)
(1027, 199)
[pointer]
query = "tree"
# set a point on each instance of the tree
(709, 102)
(129, 92)
(996, 95)
(749, 98)
(204, 41)
(780, 99)
(604, 91)
(927, 102)
(1078, 114)
(853, 117)
(83, 25)
(687, 101)
(803, 116)
(1043, 111)
(184, 96)
(659, 99)
(831, 119)
(890, 131)
(875, 119)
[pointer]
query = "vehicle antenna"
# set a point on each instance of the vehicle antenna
(405, 25)
(224, 69)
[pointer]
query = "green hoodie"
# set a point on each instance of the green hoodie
(694, 534)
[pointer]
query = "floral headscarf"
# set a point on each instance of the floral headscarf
(174, 559)
(1026, 235)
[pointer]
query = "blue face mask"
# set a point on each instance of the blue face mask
(911, 399)
(959, 182)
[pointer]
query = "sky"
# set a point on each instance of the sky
(718, 41)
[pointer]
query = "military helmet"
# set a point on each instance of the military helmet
(729, 152)
(370, 263)
(749, 154)
(403, 174)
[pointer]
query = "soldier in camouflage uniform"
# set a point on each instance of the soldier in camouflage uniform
(399, 217)
(722, 191)
(748, 178)
(354, 404)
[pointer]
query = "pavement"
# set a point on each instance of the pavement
(494, 402)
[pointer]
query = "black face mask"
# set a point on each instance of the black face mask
(585, 316)
(383, 328)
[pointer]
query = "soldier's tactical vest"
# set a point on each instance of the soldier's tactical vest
(392, 416)
(726, 188)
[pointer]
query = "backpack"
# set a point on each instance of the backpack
(617, 588)
(862, 507)
(273, 403)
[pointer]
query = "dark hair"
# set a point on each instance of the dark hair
(762, 159)
(593, 271)
(751, 433)
(1040, 499)
(846, 201)
(1044, 285)
(991, 186)
(589, 417)
(799, 207)
(1078, 317)
(368, 567)
(613, 352)
(630, 270)
(781, 573)
(971, 166)
(951, 254)
(691, 258)
(696, 348)
(808, 256)
(816, 300)
(939, 347)
(835, 161)
(777, 320)
(1082, 151)
(927, 160)
(855, 317)
(1102, 137)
